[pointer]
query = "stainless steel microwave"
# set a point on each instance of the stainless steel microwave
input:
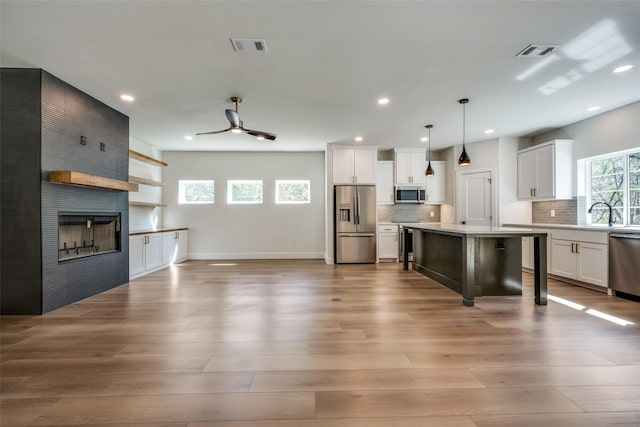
(410, 195)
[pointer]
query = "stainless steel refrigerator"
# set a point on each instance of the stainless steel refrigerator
(355, 224)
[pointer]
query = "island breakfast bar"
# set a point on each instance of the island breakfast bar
(476, 260)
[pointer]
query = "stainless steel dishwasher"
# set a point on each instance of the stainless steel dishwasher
(624, 262)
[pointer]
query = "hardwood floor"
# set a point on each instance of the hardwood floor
(263, 343)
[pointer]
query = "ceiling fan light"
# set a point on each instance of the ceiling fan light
(260, 137)
(236, 130)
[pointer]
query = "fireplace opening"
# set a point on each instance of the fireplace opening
(82, 235)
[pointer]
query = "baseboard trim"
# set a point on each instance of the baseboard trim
(256, 255)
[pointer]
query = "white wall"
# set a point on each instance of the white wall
(511, 210)
(267, 230)
(612, 131)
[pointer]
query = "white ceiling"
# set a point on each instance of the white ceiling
(327, 64)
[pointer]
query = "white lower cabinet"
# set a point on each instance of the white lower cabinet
(581, 255)
(388, 242)
(152, 251)
(174, 246)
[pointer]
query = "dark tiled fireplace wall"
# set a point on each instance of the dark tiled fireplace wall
(43, 119)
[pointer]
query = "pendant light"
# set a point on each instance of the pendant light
(429, 171)
(464, 158)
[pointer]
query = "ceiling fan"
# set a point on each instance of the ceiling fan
(236, 125)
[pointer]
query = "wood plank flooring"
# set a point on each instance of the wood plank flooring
(263, 343)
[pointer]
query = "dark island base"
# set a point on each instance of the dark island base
(477, 264)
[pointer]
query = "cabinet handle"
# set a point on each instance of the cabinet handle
(531, 192)
(535, 192)
(577, 248)
(177, 234)
(146, 240)
(572, 251)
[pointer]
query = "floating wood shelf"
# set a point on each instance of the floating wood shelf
(145, 181)
(94, 181)
(147, 204)
(146, 159)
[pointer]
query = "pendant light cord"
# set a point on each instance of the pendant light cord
(464, 121)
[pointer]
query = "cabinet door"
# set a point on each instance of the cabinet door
(403, 168)
(563, 258)
(526, 175)
(544, 173)
(365, 161)
(343, 162)
(153, 251)
(183, 245)
(169, 247)
(384, 183)
(136, 255)
(417, 167)
(388, 245)
(435, 184)
(593, 260)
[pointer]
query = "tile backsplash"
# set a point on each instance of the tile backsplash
(408, 213)
(566, 212)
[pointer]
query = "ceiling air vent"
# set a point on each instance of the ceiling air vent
(249, 45)
(537, 50)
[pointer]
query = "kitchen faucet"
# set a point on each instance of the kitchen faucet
(610, 211)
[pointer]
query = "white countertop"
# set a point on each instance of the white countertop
(468, 229)
(603, 228)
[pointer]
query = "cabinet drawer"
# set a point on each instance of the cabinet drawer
(386, 228)
(601, 237)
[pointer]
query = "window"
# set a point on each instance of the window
(293, 192)
(244, 191)
(195, 191)
(615, 179)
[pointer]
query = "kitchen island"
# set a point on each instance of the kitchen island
(477, 260)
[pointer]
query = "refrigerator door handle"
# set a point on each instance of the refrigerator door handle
(356, 207)
(356, 234)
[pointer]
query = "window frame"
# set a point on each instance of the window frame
(231, 182)
(292, 181)
(181, 194)
(626, 190)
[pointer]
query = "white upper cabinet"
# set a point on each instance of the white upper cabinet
(384, 183)
(545, 172)
(410, 166)
(354, 165)
(435, 185)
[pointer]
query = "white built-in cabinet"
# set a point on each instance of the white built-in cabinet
(410, 166)
(155, 250)
(384, 183)
(354, 165)
(145, 253)
(545, 171)
(435, 185)
(581, 255)
(174, 246)
(388, 242)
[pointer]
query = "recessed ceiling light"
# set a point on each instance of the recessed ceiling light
(126, 97)
(188, 137)
(383, 101)
(424, 139)
(594, 108)
(489, 131)
(622, 68)
(358, 138)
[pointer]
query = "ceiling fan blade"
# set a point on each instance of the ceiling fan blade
(215, 131)
(257, 133)
(233, 118)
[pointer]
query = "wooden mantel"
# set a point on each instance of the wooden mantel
(86, 180)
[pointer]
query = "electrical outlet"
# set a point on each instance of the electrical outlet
(294, 242)
(432, 214)
(103, 147)
(553, 212)
(83, 140)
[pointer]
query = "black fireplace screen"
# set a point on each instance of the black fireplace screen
(87, 234)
